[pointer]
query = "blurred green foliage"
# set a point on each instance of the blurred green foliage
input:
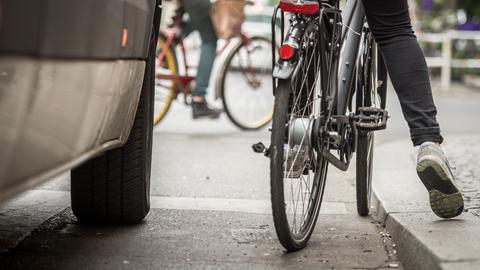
(435, 15)
(441, 15)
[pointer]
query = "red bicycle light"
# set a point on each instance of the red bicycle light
(286, 52)
(299, 6)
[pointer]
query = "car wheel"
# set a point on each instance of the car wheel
(114, 188)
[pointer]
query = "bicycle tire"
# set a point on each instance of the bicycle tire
(292, 104)
(365, 147)
(366, 139)
(283, 230)
(170, 63)
(235, 118)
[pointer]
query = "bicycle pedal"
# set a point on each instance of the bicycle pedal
(371, 119)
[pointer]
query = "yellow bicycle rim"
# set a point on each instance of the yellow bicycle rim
(171, 67)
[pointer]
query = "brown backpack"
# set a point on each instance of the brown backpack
(228, 17)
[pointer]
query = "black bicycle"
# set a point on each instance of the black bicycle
(330, 88)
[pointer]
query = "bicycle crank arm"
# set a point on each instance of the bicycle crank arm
(341, 165)
(340, 140)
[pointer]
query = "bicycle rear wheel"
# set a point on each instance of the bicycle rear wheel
(166, 64)
(297, 172)
(246, 83)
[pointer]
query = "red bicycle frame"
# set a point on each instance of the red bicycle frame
(182, 82)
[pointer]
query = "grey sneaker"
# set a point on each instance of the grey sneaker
(295, 161)
(435, 172)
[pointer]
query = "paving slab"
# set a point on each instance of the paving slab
(463, 152)
(210, 210)
(185, 239)
(475, 265)
(424, 240)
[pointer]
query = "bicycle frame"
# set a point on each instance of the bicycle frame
(353, 20)
(344, 51)
(326, 83)
(173, 38)
(180, 80)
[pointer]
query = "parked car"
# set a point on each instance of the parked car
(76, 91)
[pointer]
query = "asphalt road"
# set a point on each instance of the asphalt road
(210, 208)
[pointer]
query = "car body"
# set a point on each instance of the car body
(71, 76)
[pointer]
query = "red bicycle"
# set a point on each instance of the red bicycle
(243, 79)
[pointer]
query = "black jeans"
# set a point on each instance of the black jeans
(389, 21)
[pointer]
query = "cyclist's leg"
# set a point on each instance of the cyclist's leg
(199, 12)
(390, 24)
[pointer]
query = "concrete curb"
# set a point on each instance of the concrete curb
(423, 240)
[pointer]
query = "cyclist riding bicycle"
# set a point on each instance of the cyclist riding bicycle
(391, 26)
(199, 20)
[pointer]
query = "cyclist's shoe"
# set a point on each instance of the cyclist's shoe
(203, 110)
(295, 161)
(435, 172)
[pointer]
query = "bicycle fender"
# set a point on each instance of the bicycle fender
(283, 70)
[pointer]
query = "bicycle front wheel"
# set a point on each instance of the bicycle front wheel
(246, 83)
(365, 144)
(371, 87)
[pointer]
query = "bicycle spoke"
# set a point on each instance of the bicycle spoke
(303, 100)
(246, 83)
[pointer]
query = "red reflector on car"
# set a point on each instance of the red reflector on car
(286, 52)
(299, 6)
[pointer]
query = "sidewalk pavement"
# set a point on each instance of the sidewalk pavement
(425, 241)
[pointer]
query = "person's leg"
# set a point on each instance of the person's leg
(389, 21)
(199, 12)
(391, 27)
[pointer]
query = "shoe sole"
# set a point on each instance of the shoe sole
(445, 199)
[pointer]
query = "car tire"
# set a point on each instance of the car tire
(114, 188)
